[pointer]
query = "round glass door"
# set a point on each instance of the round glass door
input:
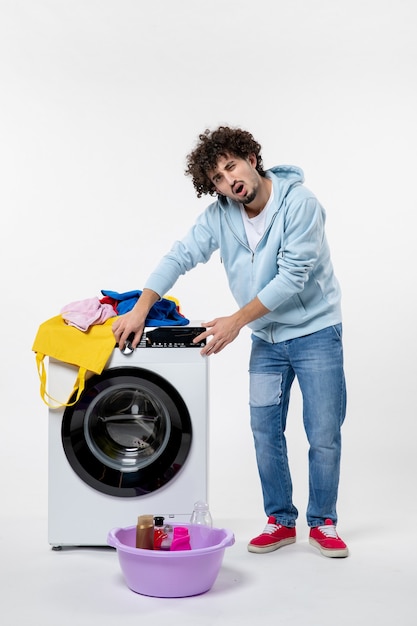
(129, 434)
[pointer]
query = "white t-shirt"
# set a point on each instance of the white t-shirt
(255, 226)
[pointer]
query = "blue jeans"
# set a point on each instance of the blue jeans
(317, 361)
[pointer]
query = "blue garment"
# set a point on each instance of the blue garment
(290, 271)
(163, 313)
(317, 361)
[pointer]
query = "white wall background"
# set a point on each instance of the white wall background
(101, 100)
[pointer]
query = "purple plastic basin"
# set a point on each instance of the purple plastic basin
(165, 574)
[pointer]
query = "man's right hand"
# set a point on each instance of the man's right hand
(133, 322)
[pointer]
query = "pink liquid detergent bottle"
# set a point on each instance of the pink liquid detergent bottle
(181, 539)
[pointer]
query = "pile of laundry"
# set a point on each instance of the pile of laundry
(85, 313)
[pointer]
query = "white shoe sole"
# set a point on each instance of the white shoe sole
(342, 553)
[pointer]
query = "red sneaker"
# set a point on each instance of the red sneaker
(273, 537)
(326, 539)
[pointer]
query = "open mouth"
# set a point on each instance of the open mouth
(238, 188)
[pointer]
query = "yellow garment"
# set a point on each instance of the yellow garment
(89, 351)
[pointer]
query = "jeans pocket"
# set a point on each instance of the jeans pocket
(338, 330)
(264, 389)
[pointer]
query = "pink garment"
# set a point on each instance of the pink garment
(84, 313)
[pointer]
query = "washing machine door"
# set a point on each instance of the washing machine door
(129, 434)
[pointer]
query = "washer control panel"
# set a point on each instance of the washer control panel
(172, 337)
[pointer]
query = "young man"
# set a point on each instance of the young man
(270, 232)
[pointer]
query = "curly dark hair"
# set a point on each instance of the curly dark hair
(215, 144)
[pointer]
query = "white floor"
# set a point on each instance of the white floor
(295, 585)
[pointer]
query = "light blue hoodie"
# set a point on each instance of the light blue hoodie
(290, 270)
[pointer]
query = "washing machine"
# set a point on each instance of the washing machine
(136, 441)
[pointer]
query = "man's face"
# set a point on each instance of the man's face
(236, 178)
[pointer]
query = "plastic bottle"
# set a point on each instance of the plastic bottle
(181, 539)
(160, 533)
(201, 514)
(144, 532)
(167, 540)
